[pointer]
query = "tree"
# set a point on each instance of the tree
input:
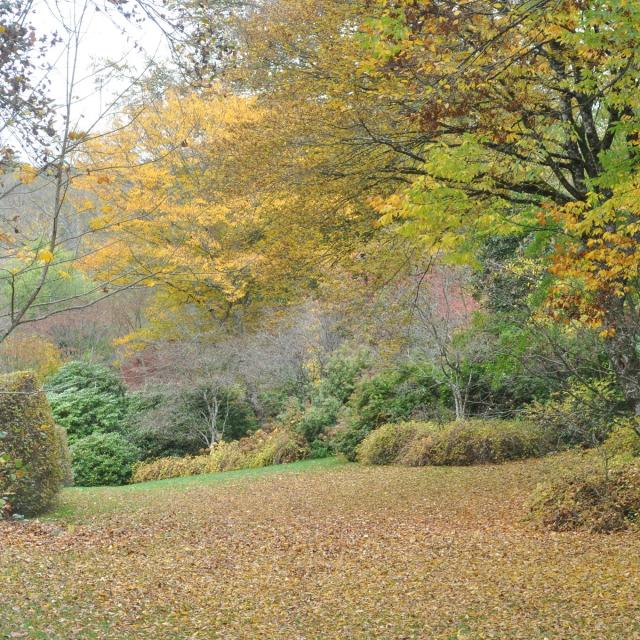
(442, 311)
(527, 122)
(45, 226)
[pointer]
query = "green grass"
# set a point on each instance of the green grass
(76, 504)
(318, 550)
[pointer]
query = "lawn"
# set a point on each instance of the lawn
(316, 550)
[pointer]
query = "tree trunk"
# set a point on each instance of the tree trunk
(459, 402)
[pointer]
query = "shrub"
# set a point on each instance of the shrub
(487, 441)
(582, 414)
(590, 498)
(340, 374)
(103, 459)
(190, 406)
(226, 456)
(348, 439)
(152, 428)
(387, 443)
(31, 468)
(321, 448)
(318, 417)
(418, 452)
(87, 398)
(261, 449)
(171, 467)
(75, 376)
(329, 394)
(31, 352)
(624, 441)
(394, 395)
(459, 443)
(279, 447)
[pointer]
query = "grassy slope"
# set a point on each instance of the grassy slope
(315, 550)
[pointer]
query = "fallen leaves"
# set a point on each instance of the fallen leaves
(346, 552)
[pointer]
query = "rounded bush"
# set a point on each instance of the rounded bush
(31, 466)
(87, 398)
(459, 443)
(487, 441)
(226, 456)
(279, 447)
(76, 376)
(103, 459)
(385, 444)
(418, 452)
(590, 498)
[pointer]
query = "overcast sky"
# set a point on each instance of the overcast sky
(102, 37)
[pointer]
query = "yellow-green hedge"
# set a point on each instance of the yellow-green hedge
(32, 450)
(458, 443)
(258, 450)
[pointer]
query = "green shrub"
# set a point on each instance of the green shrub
(328, 395)
(155, 430)
(624, 441)
(318, 417)
(398, 394)
(190, 407)
(394, 395)
(87, 398)
(386, 444)
(590, 498)
(458, 443)
(31, 467)
(75, 376)
(321, 448)
(341, 374)
(582, 414)
(103, 459)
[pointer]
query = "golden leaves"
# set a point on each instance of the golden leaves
(45, 256)
(318, 550)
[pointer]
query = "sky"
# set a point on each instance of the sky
(102, 37)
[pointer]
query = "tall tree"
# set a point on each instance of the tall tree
(527, 118)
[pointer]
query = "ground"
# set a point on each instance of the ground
(316, 550)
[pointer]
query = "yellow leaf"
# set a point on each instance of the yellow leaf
(46, 256)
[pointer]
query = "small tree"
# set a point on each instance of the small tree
(442, 310)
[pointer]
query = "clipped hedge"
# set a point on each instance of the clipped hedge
(590, 498)
(258, 450)
(458, 443)
(32, 450)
